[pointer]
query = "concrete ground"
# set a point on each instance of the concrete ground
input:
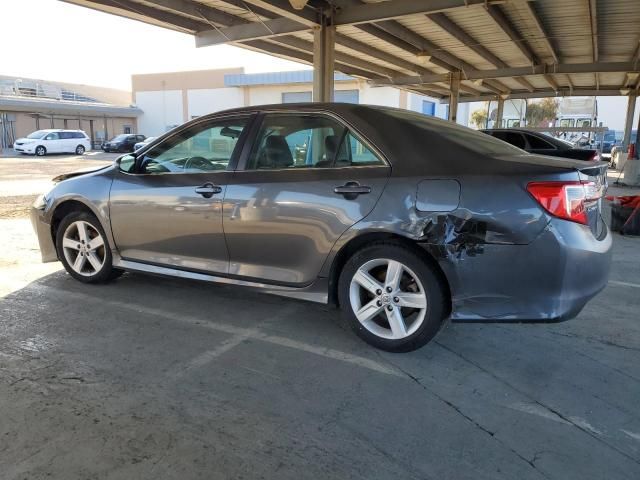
(151, 378)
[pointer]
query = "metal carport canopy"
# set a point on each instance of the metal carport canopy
(455, 50)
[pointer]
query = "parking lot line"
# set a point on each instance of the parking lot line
(624, 284)
(245, 333)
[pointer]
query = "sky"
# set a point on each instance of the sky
(90, 39)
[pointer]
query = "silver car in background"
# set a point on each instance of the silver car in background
(400, 219)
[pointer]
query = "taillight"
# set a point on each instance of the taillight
(567, 200)
(595, 157)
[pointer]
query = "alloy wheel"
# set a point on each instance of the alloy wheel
(84, 248)
(388, 298)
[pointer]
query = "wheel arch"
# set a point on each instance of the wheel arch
(66, 207)
(365, 239)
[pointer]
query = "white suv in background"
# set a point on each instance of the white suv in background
(42, 142)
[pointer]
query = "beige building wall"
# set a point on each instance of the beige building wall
(190, 80)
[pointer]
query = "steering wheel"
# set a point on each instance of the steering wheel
(198, 163)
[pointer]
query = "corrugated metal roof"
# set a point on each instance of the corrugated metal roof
(511, 31)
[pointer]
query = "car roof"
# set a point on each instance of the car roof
(59, 130)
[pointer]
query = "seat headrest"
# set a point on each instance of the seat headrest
(275, 154)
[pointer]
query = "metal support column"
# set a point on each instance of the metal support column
(628, 123)
(499, 113)
(323, 59)
(638, 139)
(454, 86)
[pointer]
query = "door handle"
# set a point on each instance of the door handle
(208, 190)
(351, 190)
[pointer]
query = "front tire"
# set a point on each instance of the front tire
(391, 297)
(41, 151)
(84, 250)
(80, 150)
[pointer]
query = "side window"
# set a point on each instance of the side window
(359, 154)
(205, 147)
(516, 139)
(53, 136)
(296, 141)
(539, 143)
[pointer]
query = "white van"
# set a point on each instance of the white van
(42, 142)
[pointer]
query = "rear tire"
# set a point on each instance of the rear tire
(80, 150)
(84, 250)
(391, 297)
(41, 151)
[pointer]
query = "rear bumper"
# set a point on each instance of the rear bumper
(43, 232)
(550, 279)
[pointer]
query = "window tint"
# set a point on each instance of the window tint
(539, 143)
(204, 148)
(514, 138)
(296, 141)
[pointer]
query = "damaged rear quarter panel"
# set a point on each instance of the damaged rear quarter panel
(481, 251)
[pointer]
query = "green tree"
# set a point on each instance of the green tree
(539, 114)
(479, 118)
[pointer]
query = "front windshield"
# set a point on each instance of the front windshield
(37, 134)
(119, 138)
(472, 139)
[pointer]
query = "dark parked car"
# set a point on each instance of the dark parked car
(122, 143)
(541, 144)
(401, 219)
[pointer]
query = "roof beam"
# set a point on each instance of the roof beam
(467, 40)
(282, 8)
(376, 12)
(305, 57)
(366, 49)
(519, 71)
(143, 13)
(438, 56)
(196, 10)
(542, 30)
(248, 31)
(506, 26)
(341, 57)
(593, 16)
(606, 91)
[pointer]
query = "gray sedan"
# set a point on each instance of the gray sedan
(400, 219)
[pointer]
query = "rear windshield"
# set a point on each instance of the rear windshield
(465, 137)
(38, 134)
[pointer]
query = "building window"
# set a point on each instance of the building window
(127, 129)
(346, 96)
(428, 108)
(296, 97)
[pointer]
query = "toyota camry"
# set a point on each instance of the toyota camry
(400, 219)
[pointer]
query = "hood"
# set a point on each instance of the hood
(77, 173)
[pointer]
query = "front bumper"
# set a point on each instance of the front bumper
(43, 232)
(550, 279)
(23, 148)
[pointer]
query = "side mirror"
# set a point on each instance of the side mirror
(126, 163)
